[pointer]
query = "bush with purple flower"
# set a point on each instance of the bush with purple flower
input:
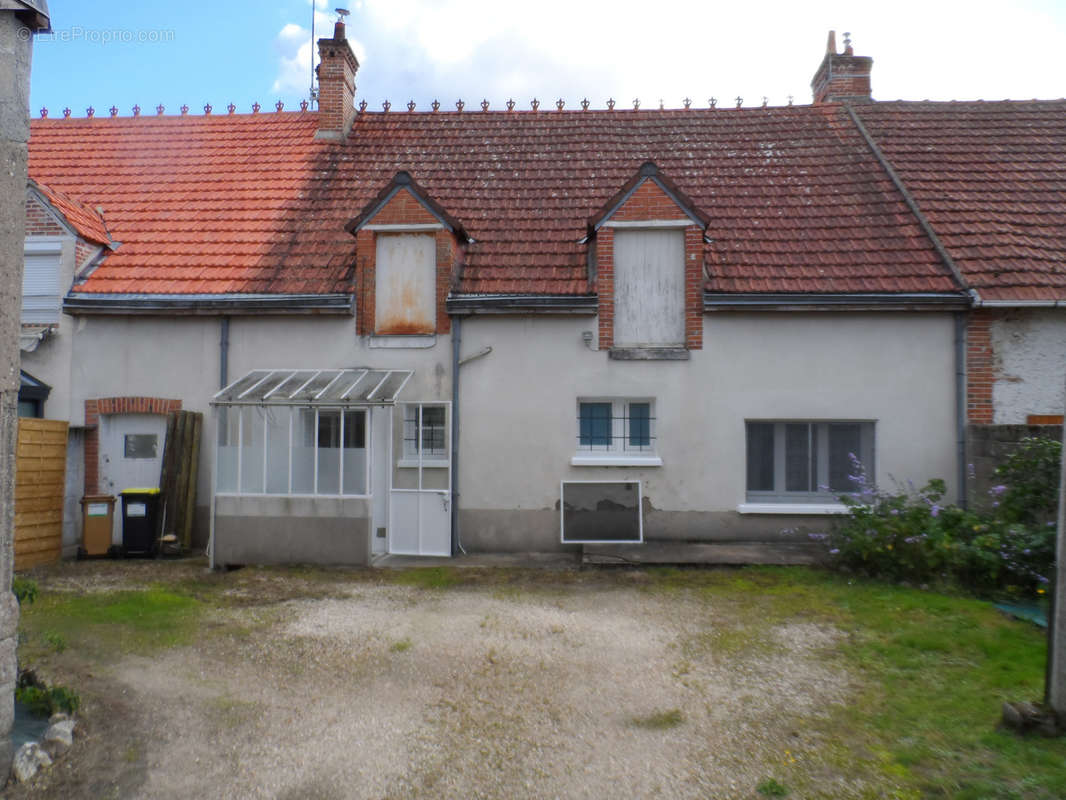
(913, 534)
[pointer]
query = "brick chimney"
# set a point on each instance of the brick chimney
(336, 85)
(842, 77)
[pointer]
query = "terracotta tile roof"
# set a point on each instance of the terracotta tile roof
(87, 222)
(991, 179)
(795, 199)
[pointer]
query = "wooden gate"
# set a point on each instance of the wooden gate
(40, 473)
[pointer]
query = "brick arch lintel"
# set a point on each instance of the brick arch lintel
(114, 405)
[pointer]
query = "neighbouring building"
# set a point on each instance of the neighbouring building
(501, 330)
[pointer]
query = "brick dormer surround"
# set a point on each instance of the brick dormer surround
(403, 206)
(114, 405)
(650, 198)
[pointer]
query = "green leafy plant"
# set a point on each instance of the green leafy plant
(44, 700)
(24, 589)
(1028, 489)
(912, 534)
(771, 788)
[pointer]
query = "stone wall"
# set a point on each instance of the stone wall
(987, 446)
(15, 50)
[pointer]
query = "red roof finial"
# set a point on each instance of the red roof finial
(44, 112)
(114, 111)
(159, 109)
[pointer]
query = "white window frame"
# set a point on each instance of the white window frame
(410, 453)
(780, 501)
(619, 453)
(293, 411)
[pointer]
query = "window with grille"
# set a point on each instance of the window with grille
(806, 460)
(425, 435)
(615, 426)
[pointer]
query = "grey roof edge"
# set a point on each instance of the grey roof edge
(747, 301)
(77, 303)
(34, 13)
(521, 303)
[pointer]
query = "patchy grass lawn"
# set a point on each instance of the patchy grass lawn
(933, 671)
(921, 675)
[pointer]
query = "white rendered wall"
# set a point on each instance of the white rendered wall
(50, 362)
(179, 358)
(518, 405)
(1030, 350)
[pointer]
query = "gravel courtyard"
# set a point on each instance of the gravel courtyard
(331, 684)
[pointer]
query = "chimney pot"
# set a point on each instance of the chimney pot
(842, 77)
(336, 70)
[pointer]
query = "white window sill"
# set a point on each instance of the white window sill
(792, 508)
(615, 461)
(428, 463)
(388, 342)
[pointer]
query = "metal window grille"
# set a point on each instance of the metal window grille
(431, 438)
(620, 426)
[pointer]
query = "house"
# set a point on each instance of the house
(519, 330)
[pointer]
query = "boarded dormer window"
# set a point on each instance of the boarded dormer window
(405, 284)
(649, 288)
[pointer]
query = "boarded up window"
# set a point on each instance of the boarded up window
(649, 288)
(40, 287)
(405, 284)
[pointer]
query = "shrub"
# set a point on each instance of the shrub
(1028, 490)
(24, 589)
(44, 700)
(913, 534)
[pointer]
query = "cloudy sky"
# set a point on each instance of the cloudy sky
(242, 51)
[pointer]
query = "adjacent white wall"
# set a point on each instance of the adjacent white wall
(179, 358)
(50, 362)
(518, 404)
(1030, 349)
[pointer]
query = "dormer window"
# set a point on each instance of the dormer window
(406, 247)
(649, 270)
(405, 285)
(649, 288)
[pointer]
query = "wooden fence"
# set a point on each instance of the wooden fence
(40, 474)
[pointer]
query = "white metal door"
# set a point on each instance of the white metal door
(131, 455)
(379, 431)
(420, 510)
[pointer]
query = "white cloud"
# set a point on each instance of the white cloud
(624, 49)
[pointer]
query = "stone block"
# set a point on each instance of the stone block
(9, 616)
(8, 661)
